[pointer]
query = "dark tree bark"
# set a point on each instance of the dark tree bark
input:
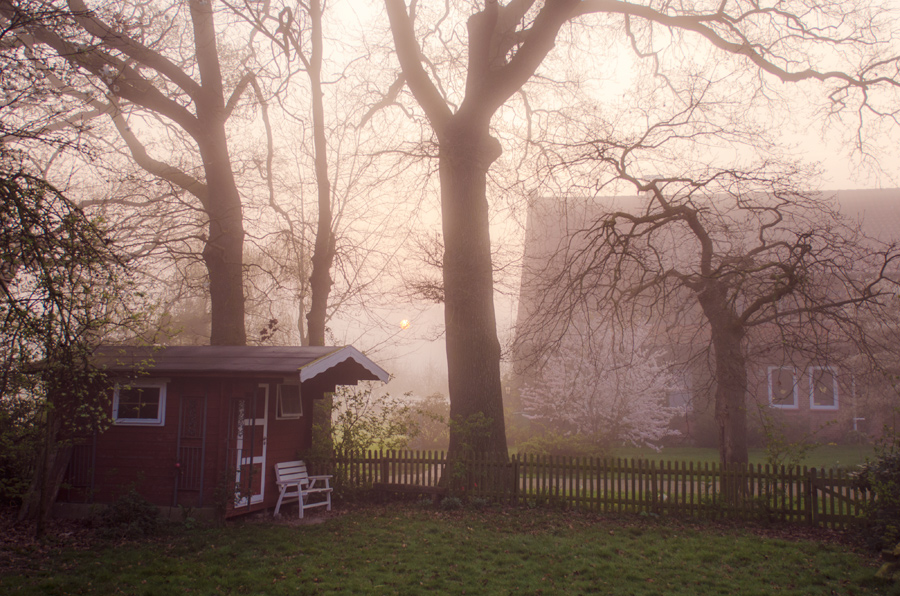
(727, 337)
(473, 350)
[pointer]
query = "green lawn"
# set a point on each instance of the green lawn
(416, 550)
(824, 456)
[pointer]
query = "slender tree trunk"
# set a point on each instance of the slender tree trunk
(473, 350)
(52, 464)
(320, 279)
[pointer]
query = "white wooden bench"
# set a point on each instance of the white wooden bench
(295, 484)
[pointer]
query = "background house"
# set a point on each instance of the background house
(204, 426)
(832, 396)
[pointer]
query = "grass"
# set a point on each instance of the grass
(416, 550)
(823, 456)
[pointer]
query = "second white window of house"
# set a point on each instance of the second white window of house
(140, 403)
(823, 388)
(289, 404)
(783, 387)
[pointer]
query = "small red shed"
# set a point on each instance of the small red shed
(204, 426)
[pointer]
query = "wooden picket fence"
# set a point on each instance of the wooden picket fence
(752, 492)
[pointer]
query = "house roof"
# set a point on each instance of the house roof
(309, 361)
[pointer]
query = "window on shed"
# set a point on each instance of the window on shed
(823, 388)
(140, 403)
(289, 404)
(783, 387)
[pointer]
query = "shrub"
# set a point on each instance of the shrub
(451, 503)
(131, 516)
(882, 478)
(478, 503)
(20, 443)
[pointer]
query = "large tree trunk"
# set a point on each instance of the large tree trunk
(730, 376)
(223, 253)
(731, 397)
(473, 350)
(501, 58)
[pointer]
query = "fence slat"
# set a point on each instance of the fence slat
(791, 494)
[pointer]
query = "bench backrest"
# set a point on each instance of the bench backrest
(291, 471)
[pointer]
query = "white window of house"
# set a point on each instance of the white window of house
(681, 400)
(140, 403)
(289, 404)
(823, 388)
(783, 387)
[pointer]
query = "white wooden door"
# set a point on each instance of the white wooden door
(252, 430)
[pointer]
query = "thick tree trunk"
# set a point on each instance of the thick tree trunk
(731, 401)
(730, 376)
(731, 386)
(473, 350)
(223, 253)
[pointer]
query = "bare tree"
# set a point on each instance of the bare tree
(758, 265)
(298, 33)
(127, 52)
(335, 256)
(506, 45)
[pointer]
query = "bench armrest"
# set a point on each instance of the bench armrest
(314, 479)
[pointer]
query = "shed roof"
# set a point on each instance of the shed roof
(277, 360)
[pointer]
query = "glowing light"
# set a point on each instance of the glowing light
(404, 324)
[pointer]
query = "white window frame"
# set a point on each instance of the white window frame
(812, 388)
(278, 409)
(160, 419)
(792, 406)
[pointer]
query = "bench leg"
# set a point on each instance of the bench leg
(278, 504)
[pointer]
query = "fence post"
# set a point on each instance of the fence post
(810, 490)
(514, 499)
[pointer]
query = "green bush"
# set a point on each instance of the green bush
(20, 443)
(478, 503)
(451, 503)
(882, 478)
(131, 516)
